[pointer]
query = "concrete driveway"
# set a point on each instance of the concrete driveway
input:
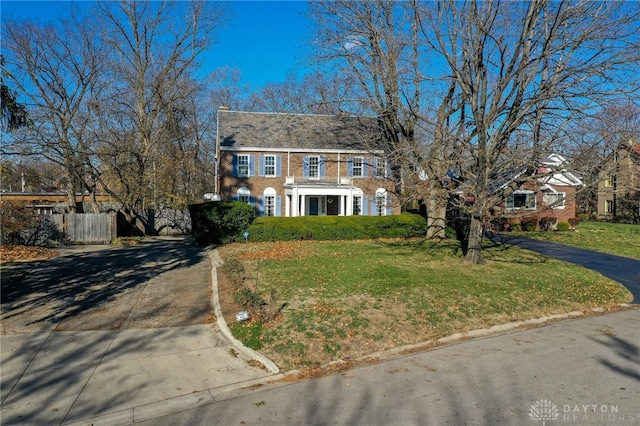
(109, 335)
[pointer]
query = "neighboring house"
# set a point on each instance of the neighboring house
(51, 202)
(550, 194)
(303, 164)
(619, 184)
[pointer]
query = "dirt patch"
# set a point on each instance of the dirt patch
(225, 294)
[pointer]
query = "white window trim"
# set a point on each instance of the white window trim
(244, 192)
(316, 167)
(360, 167)
(248, 165)
(381, 208)
(521, 192)
(381, 168)
(266, 167)
(557, 206)
(360, 205)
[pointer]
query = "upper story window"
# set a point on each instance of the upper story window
(357, 167)
(380, 167)
(608, 182)
(521, 199)
(270, 165)
(243, 165)
(314, 167)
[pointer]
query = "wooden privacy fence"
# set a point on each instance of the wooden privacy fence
(84, 228)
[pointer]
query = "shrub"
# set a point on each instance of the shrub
(19, 225)
(584, 217)
(319, 228)
(529, 224)
(563, 226)
(220, 222)
(547, 222)
(127, 241)
(515, 227)
(573, 222)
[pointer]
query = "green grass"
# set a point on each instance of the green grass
(350, 298)
(614, 238)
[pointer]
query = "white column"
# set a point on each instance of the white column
(342, 212)
(294, 202)
(303, 205)
(287, 205)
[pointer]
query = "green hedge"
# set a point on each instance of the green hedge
(220, 222)
(337, 227)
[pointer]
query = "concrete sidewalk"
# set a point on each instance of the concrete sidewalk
(119, 373)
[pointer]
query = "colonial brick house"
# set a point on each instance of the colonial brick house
(619, 184)
(303, 164)
(549, 194)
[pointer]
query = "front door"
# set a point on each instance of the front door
(314, 206)
(333, 205)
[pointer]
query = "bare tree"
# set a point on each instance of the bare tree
(315, 93)
(378, 44)
(144, 117)
(13, 114)
(525, 70)
(225, 88)
(56, 68)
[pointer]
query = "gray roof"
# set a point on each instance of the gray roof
(238, 129)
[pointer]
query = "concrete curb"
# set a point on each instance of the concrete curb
(466, 336)
(249, 353)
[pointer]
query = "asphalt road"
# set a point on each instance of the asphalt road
(576, 372)
(624, 270)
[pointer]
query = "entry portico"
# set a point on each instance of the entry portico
(320, 199)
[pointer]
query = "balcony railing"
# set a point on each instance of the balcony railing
(326, 180)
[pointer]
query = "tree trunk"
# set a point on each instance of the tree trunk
(436, 215)
(94, 203)
(71, 197)
(136, 225)
(474, 250)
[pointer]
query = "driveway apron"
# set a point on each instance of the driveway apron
(624, 270)
(113, 334)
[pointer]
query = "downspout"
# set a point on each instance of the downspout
(216, 185)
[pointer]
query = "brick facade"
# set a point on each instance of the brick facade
(312, 172)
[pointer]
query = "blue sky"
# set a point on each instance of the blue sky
(264, 39)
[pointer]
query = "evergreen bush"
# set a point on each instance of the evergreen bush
(529, 224)
(319, 228)
(220, 222)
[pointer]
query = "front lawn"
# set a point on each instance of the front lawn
(346, 299)
(614, 238)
